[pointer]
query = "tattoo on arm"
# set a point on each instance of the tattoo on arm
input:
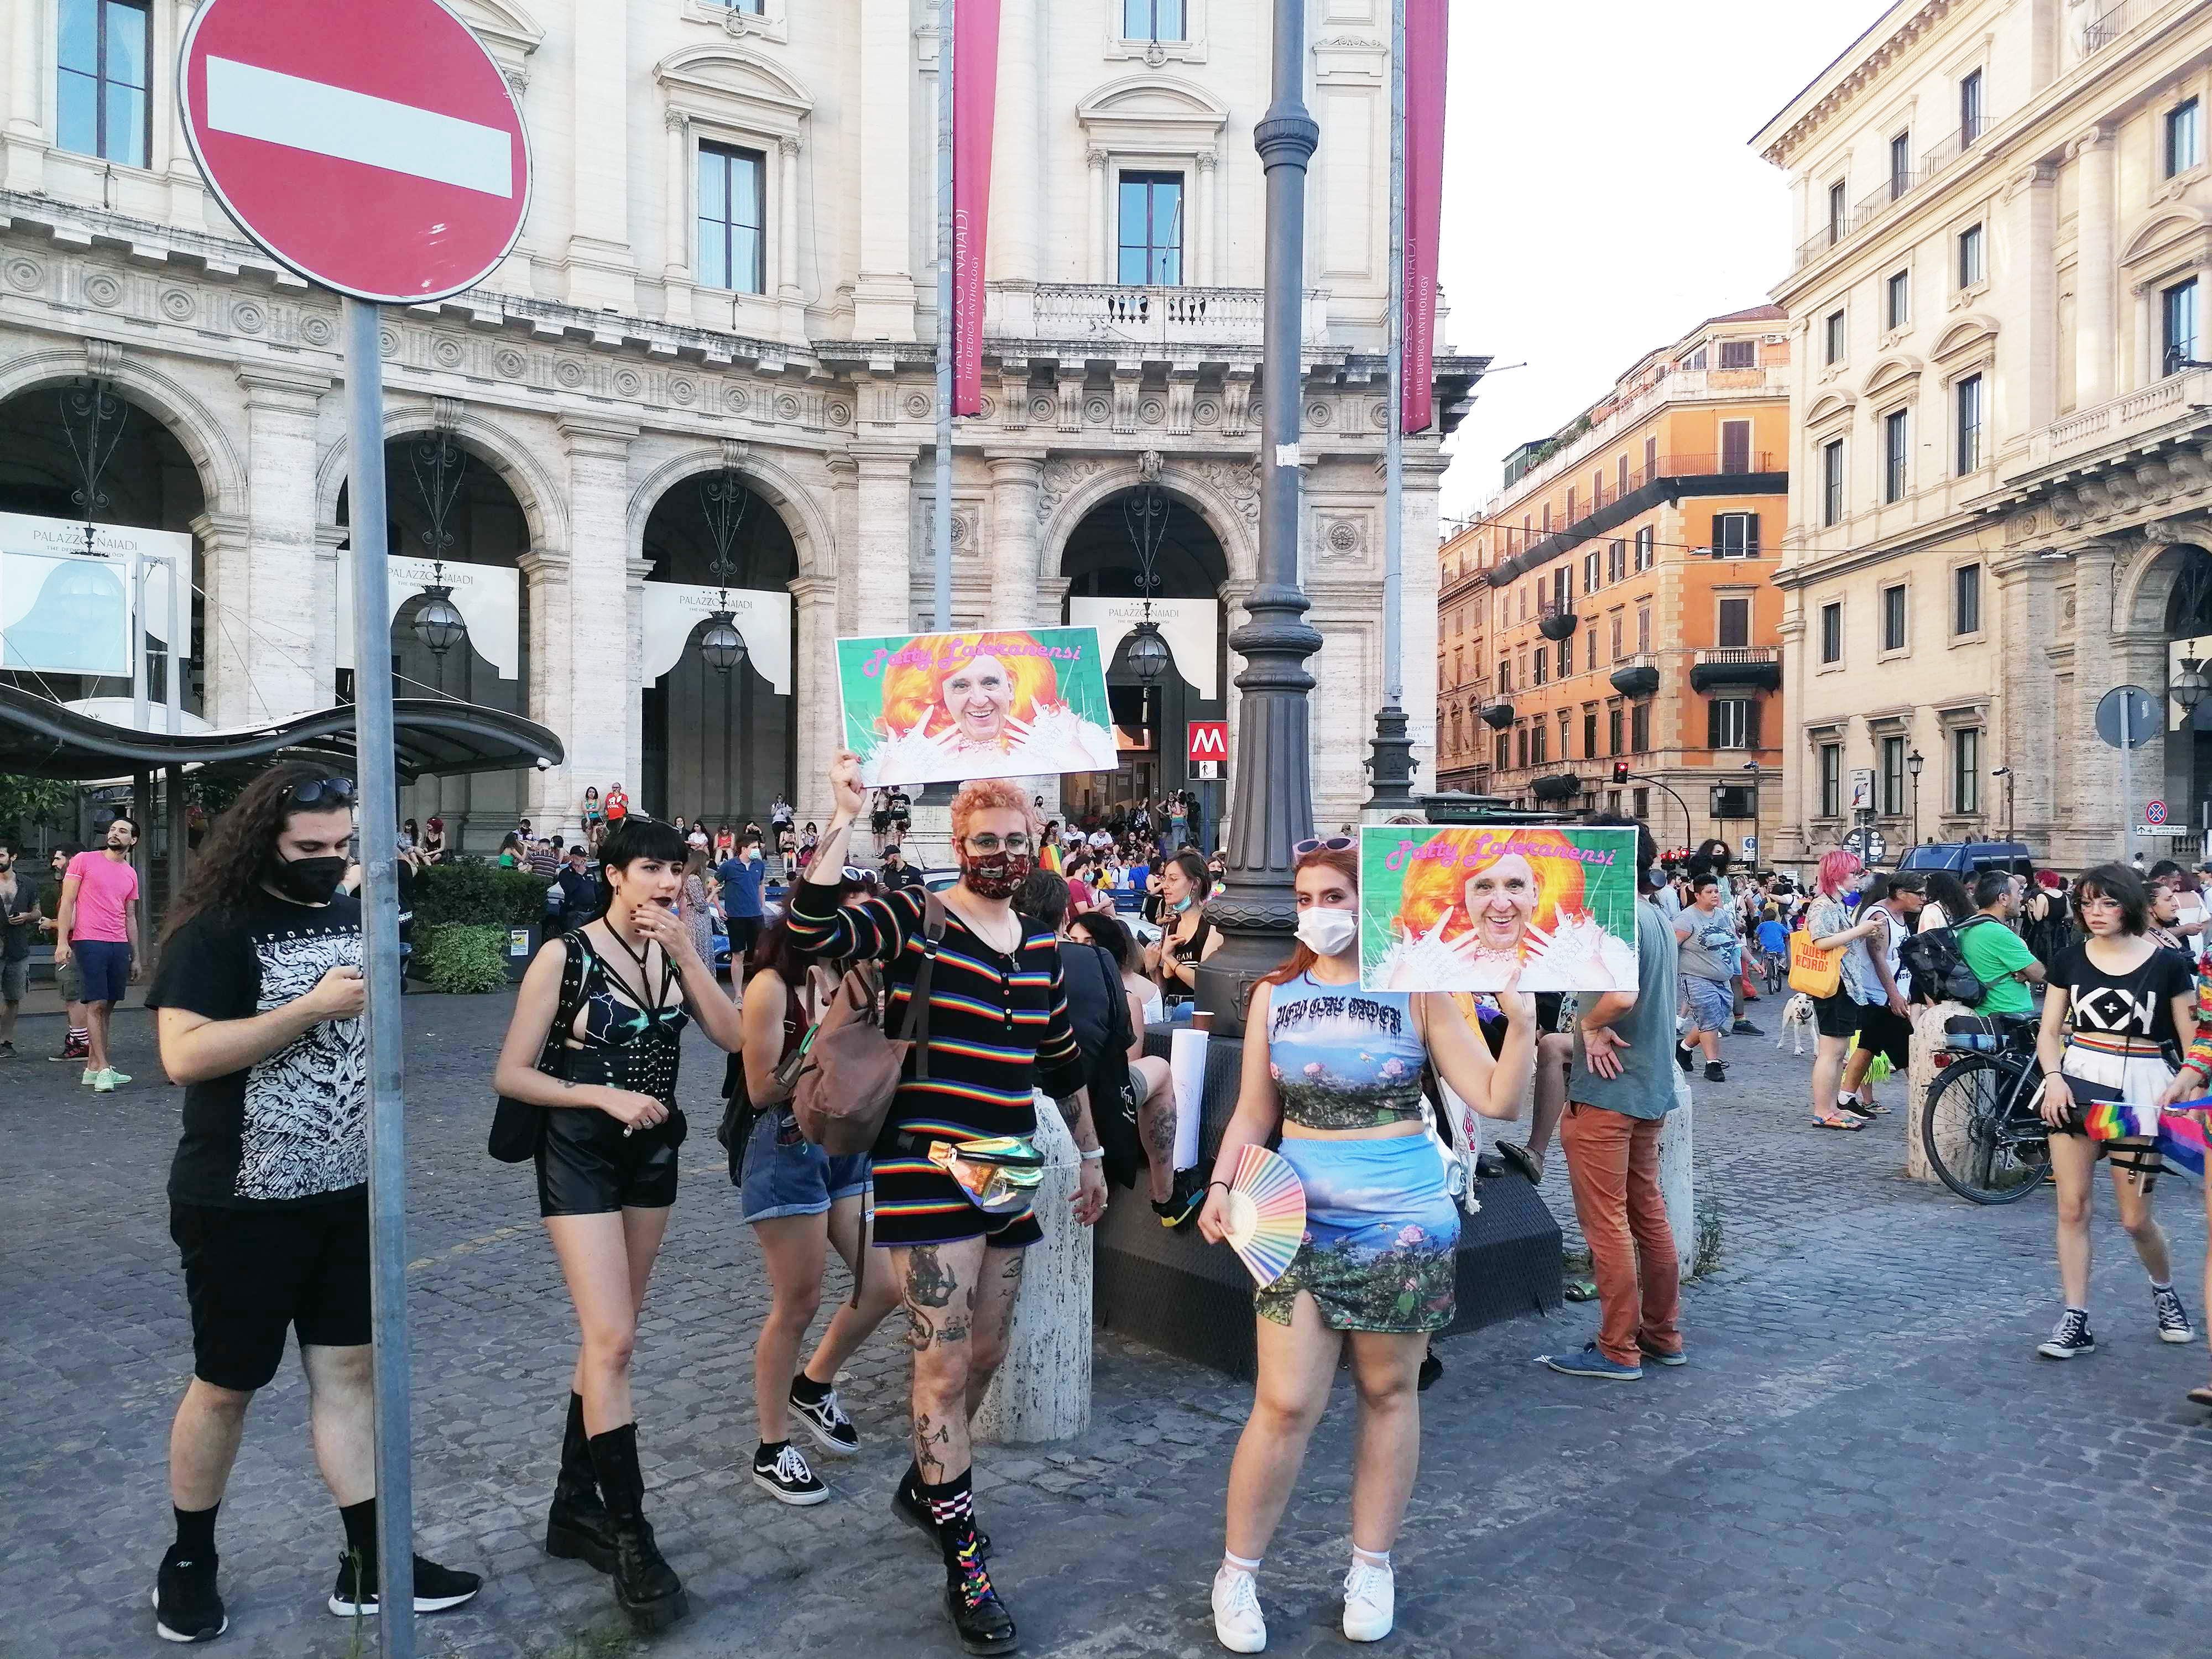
(1071, 1110)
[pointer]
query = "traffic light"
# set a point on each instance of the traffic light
(1621, 771)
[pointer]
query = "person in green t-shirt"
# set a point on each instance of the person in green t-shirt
(1996, 954)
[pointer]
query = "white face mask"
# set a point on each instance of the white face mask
(1327, 932)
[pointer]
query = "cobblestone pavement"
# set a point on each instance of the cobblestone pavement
(1863, 1458)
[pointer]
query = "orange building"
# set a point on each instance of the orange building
(1614, 604)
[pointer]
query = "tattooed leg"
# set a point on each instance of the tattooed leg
(1155, 1127)
(938, 1283)
(1000, 1283)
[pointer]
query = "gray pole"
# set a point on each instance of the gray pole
(2127, 778)
(940, 541)
(1390, 766)
(1272, 807)
(375, 830)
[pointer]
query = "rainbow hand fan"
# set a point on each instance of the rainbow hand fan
(1267, 1214)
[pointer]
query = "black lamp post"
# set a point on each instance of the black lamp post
(1144, 512)
(1913, 763)
(92, 419)
(1272, 807)
(724, 498)
(2005, 772)
(438, 462)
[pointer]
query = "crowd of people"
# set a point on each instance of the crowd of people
(1001, 989)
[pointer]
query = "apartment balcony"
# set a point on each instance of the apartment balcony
(1114, 317)
(1614, 501)
(1557, 623)
(2115, 21)
(1895, 189)
(1558, 786)
(1670, 385)
(1757, 668)
(1637, 677)
(1499, 715)
(2125, 420)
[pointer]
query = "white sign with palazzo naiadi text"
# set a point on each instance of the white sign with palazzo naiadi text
(488, 596)
(673, 611)
(1191, 628)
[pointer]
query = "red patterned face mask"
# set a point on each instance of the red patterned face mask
(995, 875)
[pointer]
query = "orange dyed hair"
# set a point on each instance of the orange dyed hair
(990, 795)
(910, 688)
(1435, 887)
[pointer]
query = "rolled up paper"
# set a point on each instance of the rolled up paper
(1186, 1072)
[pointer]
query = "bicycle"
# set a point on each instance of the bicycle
(1986, 1105)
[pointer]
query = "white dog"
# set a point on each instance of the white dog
(1796, 1020)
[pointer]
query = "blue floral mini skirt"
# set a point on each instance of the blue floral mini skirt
(1381, 1237)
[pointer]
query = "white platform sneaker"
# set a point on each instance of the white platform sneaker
(1370, 1602)
(1238, 1624)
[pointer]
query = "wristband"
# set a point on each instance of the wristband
(1223, 1185)
(1094, 1153)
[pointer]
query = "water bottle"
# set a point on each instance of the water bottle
(1981, 1042)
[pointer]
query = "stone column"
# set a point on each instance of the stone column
(884, 570)
(226, 563)
(634, 571)
(1417, 643)
(2089, 817)
(278, 626)
(1043, 1391)
(814, 693)
(171, 152)
(676, 258)
(2096, 299)
(598, 695)
(1677, 1185)
(2028, 357)
(1201, 229)
(602, 271)
(1016, 205)
(26, 128)
(787, 254)
(1016, 481)
(883, 292)
(327, 572)
(556, 795)
(1098, 253)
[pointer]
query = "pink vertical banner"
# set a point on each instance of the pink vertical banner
(974, 103)
(1425, 31)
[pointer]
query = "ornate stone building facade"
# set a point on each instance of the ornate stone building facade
(727, 269)
(2002, 493)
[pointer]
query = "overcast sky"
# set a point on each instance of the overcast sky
(1601, 196)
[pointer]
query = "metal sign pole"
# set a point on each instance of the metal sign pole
(376, 829)
(1394, 440)
(940, 548)
(2127, 777)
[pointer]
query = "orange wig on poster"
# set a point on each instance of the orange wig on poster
(1436, 886)
(912, 685)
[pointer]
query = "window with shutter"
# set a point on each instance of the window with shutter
(1736, 445)
(1735, 629)
(1739, 354)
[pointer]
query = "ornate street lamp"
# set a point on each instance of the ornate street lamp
(1145, 512)
(93, 418)
(1913, 763)
(438, 464)
(724, 498)
(2188, 687)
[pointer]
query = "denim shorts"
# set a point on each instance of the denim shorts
(1711, 1005)
(786, 1174)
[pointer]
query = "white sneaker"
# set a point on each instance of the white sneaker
(1370, 1602)
(1238, 1623)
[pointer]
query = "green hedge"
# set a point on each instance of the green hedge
(461, 958)
(479, 894)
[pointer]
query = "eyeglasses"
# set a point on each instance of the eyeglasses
(335, 792)
(988, 844)
(1315, 844)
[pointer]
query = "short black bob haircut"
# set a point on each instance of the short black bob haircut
(2118, 882)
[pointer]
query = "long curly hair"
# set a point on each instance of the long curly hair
(912, 694)
(241, 844)
(1435, 880)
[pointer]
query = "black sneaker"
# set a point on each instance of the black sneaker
(1745, 1028)
(1714, 1073)
(1684, 1059)
(187, 1607)
(436, 1588)
(784, 1476)
(1184, 1200)
(2071, 1337)
(7, 1051)
(2172, 1317)
(826, 1421)
(1432, 1371)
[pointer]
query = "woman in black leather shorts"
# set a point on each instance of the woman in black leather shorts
(622, 988)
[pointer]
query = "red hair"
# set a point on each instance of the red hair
(1837, 868)
(1345, 862)
(1435, 884)
(913, 694)
(989, 795)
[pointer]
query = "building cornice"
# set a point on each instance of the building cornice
(1842, 82)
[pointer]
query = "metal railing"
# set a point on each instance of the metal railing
(1737, 653)
(1113, 311)
(2114, 22)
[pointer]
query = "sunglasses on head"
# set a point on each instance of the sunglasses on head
(1319, 844)
(331, 791)
(862, 878)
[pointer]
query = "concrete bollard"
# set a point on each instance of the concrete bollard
(1043, 1391)
(1927, 1036)
(1677, 1185)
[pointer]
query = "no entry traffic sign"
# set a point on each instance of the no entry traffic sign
(374, 148)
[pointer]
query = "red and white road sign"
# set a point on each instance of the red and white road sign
(1209, 741)
(374, 149)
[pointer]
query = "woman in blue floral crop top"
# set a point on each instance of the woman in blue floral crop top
(1337, 1070)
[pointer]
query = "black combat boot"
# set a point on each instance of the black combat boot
(646, 1586)
(576, 1527)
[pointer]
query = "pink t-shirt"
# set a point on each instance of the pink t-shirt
(105, 888)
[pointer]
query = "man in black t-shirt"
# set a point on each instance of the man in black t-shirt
(897, 872)
(260, 1001)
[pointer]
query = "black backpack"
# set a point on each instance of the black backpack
(1938, 967)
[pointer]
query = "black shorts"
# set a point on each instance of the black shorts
(1836, 1016)
(587, 1166)
(744, 933)
(252, 1275)
(1883, 1031)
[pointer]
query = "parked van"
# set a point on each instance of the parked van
(1968, 859)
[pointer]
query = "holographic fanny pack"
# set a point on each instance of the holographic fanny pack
(1000, 1175)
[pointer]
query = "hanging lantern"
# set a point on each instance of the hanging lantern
(1148, 653)
(439, 625)
(721, 644)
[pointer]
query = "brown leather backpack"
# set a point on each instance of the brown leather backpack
(844, 1076)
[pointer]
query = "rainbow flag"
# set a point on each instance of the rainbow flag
(2182, 1141)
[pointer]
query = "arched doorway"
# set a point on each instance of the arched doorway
(446, 506)
(81, 451)
(720, 745)
(1103, 560)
